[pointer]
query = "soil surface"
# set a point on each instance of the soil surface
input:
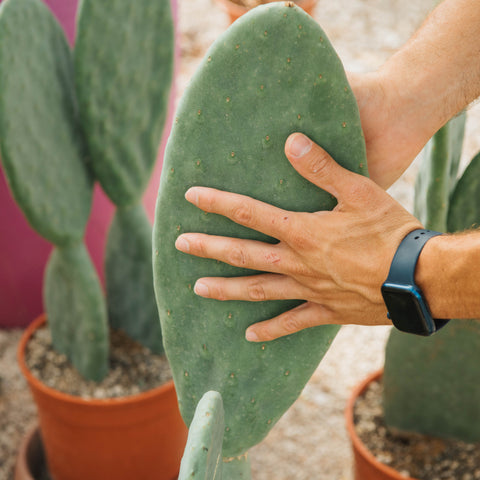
(310, 441)
(419, 456)
(133, 368)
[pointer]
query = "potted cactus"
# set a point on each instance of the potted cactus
(68, 119)
(429, 384)
(231, 136)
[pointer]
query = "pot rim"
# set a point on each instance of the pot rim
(357, 444)
(239, 10)
(72, 399)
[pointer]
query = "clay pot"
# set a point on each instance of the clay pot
(234, 10)
(140, 436)
(366, 466)
(30, 463)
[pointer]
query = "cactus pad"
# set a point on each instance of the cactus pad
(76, 310)
(123, 73)
(438, 174)
(271, 73)
(42, 152)
(202, 459)
(129, 277)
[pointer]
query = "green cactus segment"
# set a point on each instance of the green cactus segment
(437, 175)
(431, 384)
(129, 277)
(123, 91)
(41, 150)
(270, 74)
(76, 310)
(464, 212)
(202, 459)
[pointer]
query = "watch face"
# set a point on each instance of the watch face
(407, 309)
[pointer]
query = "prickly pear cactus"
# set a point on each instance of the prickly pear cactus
(203, 457)
(431, 383)
(203, 453)
(128, 269)
(43, 158)
(42, 152)
(123, 72)
(271, 73)
(438, 174)
(76, 310)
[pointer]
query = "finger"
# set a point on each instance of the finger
(306, 315)
(254, 288)
(316, 165)
(249, 254)
(243, 210)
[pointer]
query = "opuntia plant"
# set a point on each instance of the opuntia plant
(50, 143)
(123, 69)
(44, 158)
(430, 384)
(203, 452)
(273, 72)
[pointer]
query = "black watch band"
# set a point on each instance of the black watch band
(407, 308)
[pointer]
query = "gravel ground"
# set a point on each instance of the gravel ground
(310, 440)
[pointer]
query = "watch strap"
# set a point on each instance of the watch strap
(402, 269)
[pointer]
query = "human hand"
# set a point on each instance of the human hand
(336, 261)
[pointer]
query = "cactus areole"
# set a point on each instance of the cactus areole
(272, 73)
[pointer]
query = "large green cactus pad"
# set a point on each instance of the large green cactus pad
(129, 277)
(272, 73)
(202, 459)
(123, 73)
(42, 153)
(76, 309)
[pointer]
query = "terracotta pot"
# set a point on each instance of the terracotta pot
(366, 466)
(136, 437)
(31, 457)
(235, 10)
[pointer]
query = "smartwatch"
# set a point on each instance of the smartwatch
(407, 307)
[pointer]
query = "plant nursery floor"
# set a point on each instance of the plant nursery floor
(310, 441)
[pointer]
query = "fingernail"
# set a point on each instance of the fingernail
(201, 289)
(182, 245)
(192, 195)
(299, 145)
(251, 336)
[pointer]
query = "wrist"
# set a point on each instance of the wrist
(446, 275)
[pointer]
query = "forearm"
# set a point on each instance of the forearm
(433, 77)
(449, 275)
(437, 73)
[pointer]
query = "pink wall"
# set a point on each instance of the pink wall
(23, 253)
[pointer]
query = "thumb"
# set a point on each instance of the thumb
(316, 165)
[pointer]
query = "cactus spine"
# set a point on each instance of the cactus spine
(123, 99)
(43, 158)
(271, 73)
(430, 384)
